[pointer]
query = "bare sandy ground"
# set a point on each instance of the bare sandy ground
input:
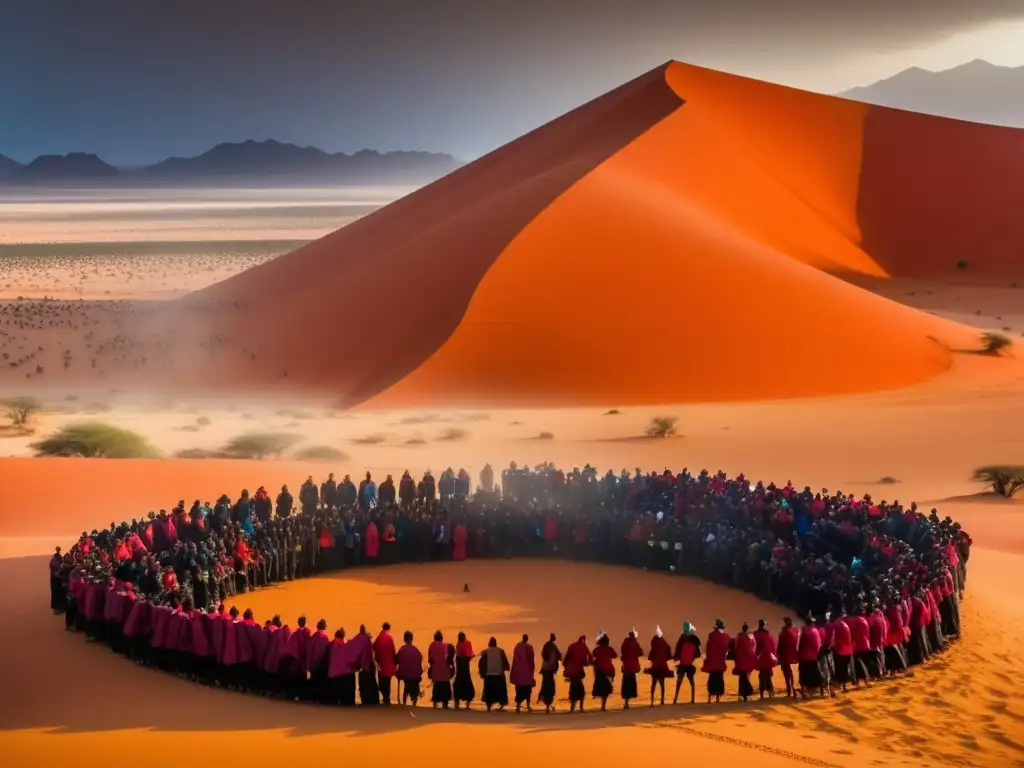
(960, 709)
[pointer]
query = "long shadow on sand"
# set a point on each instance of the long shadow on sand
(69, 686)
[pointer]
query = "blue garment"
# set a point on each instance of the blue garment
(370, 492)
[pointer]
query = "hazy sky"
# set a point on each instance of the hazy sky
(138, 80)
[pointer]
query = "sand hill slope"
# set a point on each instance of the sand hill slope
(688, 210)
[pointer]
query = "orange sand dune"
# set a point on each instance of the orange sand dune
(688, 210)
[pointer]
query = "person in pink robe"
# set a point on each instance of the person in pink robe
(366, 676)
(299, 644)
(409, 669)
(440, 670)
(290, 672)
(809, 652)
(523, 673)
(342, 668)
(205, 657)
(767, 659)
(137, 628)
(459, 537)
(319, 643)
(745, 654)
(895, 636)
(384, 655)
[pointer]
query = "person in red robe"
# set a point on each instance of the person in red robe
(895, 636)
(767, 659)
(687, 651)
(789, 639)
(745, 655)
(659, 655)
(523, 673)
(384, 654)
(631, 652)
(810, 650)
(361, 647)
(860, 639)
(574, 665)
(604, 669)
(716, 653)
(440, 670)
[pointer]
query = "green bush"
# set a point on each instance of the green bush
(260, 445)
(95, 441)
(1003, 479)
(199, 453)
(662, 426)
(320, 453)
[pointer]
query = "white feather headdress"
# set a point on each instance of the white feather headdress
(657, 631)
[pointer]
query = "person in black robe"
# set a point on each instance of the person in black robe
(309, 497)
(58, 592)
(550, 657)
(463, 690)
(329, 492)
(493, 668)
(284, 504)
(386, 493)
(369, 688)
(347, 493)
(406, 490)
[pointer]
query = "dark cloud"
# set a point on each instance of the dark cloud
(138, 79)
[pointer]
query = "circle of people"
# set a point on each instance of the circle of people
(878, 585)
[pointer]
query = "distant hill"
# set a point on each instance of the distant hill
(264, 162)
(8, 167)
(74, 166)
(977, 91)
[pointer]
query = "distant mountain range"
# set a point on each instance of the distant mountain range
(265, 162)
(977, 91)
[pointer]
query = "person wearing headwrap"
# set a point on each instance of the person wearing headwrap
(604, 669)
(717, 651)
(687, 651)
(440, 670)
(577, 659)
(767, 659)
(550, 657)
(659, 655)
(631, 652)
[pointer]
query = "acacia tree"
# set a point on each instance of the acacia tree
(20, 409)
(1004, 479)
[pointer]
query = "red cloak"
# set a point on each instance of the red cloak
(810, 645)
(745, 649)
(577, 658)
(660, 654)
(715, 651)
(631, 653)
(767, 654)
(318, 645)
(384, 654)
(789, 639)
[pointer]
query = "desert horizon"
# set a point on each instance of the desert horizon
(695, 270)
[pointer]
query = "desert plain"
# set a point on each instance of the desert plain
(883, 392)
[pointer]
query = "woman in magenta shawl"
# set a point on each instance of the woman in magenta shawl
(523, 673)
(317, 662)
(137, 628)
(299, 646)
(257, 644)
(342, 667)
(362, 649)
(459, 537)
(441, 670)
(372, 542)
(161, 618)
(409, 669)
(202, 645)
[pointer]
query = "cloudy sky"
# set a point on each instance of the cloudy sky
(138, 80)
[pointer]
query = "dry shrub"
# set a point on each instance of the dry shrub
(1003, 479)
(320, 453)
(20, 409)
(662, 426)
(260, 445)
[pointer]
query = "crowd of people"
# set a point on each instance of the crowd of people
(876, 585)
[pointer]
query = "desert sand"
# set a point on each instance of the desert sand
(833, 333)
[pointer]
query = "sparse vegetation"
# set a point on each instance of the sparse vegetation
(993, 343)
(20, 409)
(961, 264)
(888, 480)
(453, 433)
(199, 453)
(1003, 479)
(662, 426)
(203, 421)
(320, 453)
(415, 441)
(95, 441)
(546, 436)
(612, 412)
(260, 445)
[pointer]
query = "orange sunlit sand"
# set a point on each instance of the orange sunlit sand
(777, 268)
